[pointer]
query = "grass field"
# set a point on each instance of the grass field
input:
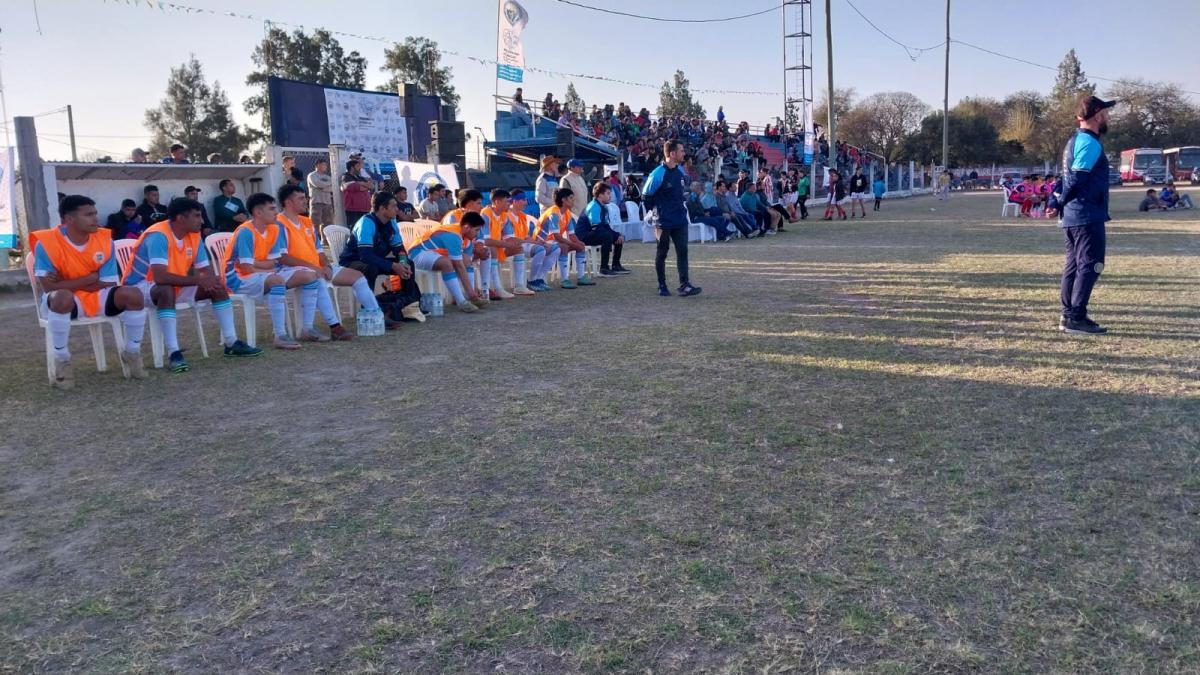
(863, 449)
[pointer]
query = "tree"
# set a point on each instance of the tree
(881, 121)
(995, 111)
(418, 60)
(843, 101)
(572, 101)
(1070, 82)
(676, 99)
(1025, 123)
(973, 140)
(196, 115)
(317, 58)
(1058, 116)
(1151, 114)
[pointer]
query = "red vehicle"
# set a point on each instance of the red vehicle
(1183, 163)
(1143, 164)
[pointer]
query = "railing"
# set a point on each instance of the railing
(536, 117)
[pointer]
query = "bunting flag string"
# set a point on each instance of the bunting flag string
(164, 5)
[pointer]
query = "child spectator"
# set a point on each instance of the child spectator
(878, 188)
(1150, 202)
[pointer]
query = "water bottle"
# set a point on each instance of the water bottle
(427, 302)
(370, 322)
(438, 307)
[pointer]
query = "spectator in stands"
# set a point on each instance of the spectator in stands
(356, 192)
(138, 155)
(213, 158)
(721, 114)
(697, 213)
(519, 110)
(245, 159)
(126, 223)
(431, 206)
(729, 205)
(405, 211)
(151, 210)
(193, 193)
(320, 194)
(573, 179)
(765, 219)
(770, 198)
(594, 229)
(228, 211)
(547, 182)
(742, 182)
(548, 104)
(178, 155)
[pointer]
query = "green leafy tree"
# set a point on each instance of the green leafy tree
(1058, 110)
(572, 100)
(315, 57)
(1151, 114)
(843, 101)
(675, 98)
(881, 122)
(418, 60)
(195, 114)
(973, 140)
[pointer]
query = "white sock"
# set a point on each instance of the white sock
(518, 263)
(308, 302)
(455, 287)
(496, 276)
(59, 326)
(224, 311)
(581, 263)
(564, 266)
(135, 325)
(277, 303)
(362, 291)
(471, 275)
(166, 319)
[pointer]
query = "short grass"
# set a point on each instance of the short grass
(863, 449)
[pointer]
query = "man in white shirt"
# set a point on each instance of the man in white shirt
(320, 194)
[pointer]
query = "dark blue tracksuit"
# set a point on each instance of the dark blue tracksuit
(665, 192)
(1084, 212)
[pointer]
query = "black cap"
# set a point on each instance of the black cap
(1090, 105)
(178, 146)
(190, 188)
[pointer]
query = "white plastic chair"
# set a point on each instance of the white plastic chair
(95, 326)
(428, 282)
(216, 243)
(125, 249)
(1016, 208)
(701, 230)
(336, 237)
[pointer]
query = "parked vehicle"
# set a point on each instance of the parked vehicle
(1183, 162)
(1143, 164)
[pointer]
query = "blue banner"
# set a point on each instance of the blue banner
(510, 73)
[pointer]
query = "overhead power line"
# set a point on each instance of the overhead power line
(668, 19)
(914, 53)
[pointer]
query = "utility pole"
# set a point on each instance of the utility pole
(946, 99)
(71, 131)
(829, 59)
(33, 183)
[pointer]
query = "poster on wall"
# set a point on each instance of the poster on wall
(510, 54)
(418, 178)
(367, 122)
(8, 208)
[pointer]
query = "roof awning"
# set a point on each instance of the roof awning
(152, 172)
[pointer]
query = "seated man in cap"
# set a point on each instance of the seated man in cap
(193, 193)
(547, 183)
(448, 249)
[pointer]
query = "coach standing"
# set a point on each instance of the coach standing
(664, 193)
(1084, 212)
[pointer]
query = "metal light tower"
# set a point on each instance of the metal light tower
(797, 65)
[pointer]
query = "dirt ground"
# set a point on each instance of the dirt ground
(864, 448)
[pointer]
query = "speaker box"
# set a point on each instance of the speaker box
(564, 143)
(447, 131)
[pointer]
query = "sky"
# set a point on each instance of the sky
(110, 59)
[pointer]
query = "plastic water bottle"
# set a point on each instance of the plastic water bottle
(438, 307)
(427, 302)
(370, 322)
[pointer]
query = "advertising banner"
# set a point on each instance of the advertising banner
(510, 55)
(418, 178)
(367, 122)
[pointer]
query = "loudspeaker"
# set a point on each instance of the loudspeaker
(564, 143)
(453, 132)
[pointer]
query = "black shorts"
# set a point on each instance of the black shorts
(110, 305)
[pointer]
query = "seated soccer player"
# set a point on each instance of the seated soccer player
(524, 231)
(303, 250)
(499, 235)
(448, 249)
(375, 248)
(252, 266)
(470, 200)
(593, 229)
(170, 265)
(557, 224)
(76, 265)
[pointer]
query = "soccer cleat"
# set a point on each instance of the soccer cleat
(539, 286)
(566, 283)
(522, 290)
(493, 296)
(501, 294)
(617, 269)
(688, 289)
(467, 308)
(176, 363)
(585, 280)
(480, 302)
(664, 291)
(64, 375)
(311, 335)
(239, 348)
(339, 333)
(286, 343)
(133, 361)
(1084, 326)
